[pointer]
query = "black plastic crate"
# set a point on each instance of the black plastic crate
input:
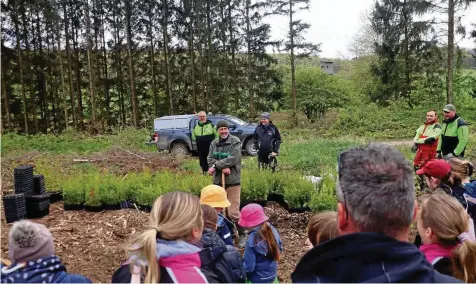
(55, 196)
(39, 184)
(37, 198)
(37, 202)
(14, 200)
(14, 218)
(38, 206)
(14, 207)
(23, 172)
(38, 213)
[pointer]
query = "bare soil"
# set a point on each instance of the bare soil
(93, 244)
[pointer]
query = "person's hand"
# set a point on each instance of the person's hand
(211, 170)
(226, 171)
(438, 155)
(274, 154)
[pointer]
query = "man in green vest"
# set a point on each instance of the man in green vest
(203, 134)
(454, 134)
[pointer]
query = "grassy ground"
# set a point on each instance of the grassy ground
(124, 156)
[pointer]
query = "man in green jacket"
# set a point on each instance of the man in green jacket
(203, 134)
(225, 157)
(454, 135)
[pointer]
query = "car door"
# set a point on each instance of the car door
(165, 130)
(193, 122)
(235, 129)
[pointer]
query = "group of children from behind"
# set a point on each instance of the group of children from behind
(189, 240)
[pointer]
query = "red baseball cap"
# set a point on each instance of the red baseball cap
(436, 168)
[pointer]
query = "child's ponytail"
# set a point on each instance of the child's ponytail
(464, 259)
(266, 234)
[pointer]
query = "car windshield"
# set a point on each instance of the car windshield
(236, 120)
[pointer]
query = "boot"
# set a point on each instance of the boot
(242, 236)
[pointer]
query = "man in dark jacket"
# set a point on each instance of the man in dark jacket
(267, 139)
(376, 206)
(225, 157)
(203, 134)
(454, 134)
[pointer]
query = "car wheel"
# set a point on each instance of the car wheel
(179, 149)
(250, 147)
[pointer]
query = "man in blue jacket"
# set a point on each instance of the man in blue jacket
(376, 205)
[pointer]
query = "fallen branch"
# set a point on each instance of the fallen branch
(131, 153)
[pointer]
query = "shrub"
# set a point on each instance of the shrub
(325, 197)
(73, 192)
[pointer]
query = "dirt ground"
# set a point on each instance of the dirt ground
(93, 243)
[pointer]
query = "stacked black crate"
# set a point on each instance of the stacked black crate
(37, 201)
(37, 206)
(39, 184)
(24, 180)
(14, 206)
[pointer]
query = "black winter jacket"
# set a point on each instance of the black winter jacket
(366, 257)
(267, 138)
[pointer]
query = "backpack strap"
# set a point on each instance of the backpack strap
(436, 260)
(205, 257)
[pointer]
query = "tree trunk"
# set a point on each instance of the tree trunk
(20, 67)
(224, 71)
(119, 76)
(152, 62)
(233, 60)
(90, 66)
(63, 85)
(209, 57)
(407, 52)
(41, 76)
(451, 34)
(293, 77)
(106, 78)
(78, 78)
(192, 55)
(30, 74)
(70, 67)
(135, 118)
(166, 54)
(249, 54)
(6, 101)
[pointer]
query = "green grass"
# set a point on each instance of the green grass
(310, 149)
(73, 142)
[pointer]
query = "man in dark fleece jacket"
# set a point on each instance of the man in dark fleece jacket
(376, 205)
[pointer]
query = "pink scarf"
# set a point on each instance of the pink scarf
(432, 251)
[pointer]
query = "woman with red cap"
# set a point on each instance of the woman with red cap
(438, 176)
(263, 246)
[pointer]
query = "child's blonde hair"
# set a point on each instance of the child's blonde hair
(173, 217)
(322, 227)
(450, 223)
(461, 168)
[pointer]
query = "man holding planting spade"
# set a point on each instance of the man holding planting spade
(224, 161)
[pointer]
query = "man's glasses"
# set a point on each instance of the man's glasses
(446, 112)
(201, 116)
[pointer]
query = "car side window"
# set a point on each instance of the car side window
(193, 122)
(214, 120)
